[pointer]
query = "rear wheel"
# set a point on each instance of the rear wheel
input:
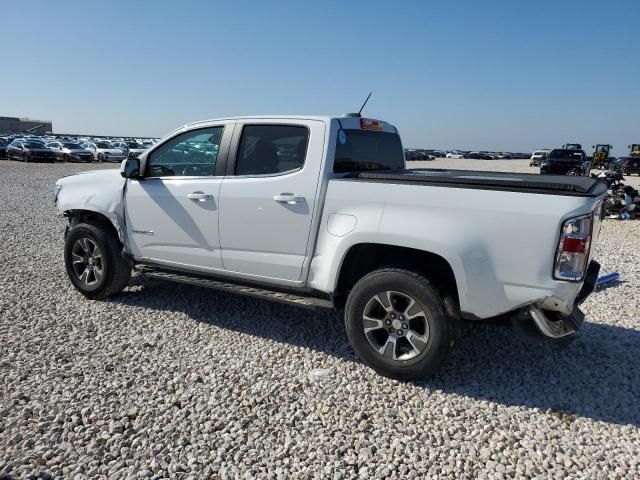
(93, 260)
(398, 324)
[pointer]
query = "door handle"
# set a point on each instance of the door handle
(288, 198)
(199, 196)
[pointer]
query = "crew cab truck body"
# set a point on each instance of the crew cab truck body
(321, 211)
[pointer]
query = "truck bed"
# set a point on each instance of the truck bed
(512, 182)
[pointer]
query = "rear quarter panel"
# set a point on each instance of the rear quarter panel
(500, 244)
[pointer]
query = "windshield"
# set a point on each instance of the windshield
(362, 150)
(72, 146)
(564, 154)
(34, 145)
(103, 145)
(135, 145)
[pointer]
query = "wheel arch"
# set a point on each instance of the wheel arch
(363, 258)
(76, 216)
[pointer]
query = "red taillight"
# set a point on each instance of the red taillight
(575, 245)
(370, 124)
(573, 248)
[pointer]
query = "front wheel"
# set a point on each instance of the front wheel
(398, 324)
(93, 260)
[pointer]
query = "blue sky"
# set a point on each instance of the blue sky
(509, 75)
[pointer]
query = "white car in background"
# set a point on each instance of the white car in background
(136, 148)
(454, 155)
(119, 144)
(538, 156)
(106, 152)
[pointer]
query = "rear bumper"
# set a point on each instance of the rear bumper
(554, 325)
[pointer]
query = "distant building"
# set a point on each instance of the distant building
(27, 125)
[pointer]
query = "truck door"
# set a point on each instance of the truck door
(172, 213)
(268, 198)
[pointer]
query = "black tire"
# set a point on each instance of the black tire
(439, 333)
(65, 158)
(115, 271)
(25, 159)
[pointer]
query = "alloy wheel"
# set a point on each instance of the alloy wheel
(87, 262)
(395, 325)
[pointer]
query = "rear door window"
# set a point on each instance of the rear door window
(271, 149)
(363, 150)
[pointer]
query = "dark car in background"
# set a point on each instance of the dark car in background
(4, 143)
(630, 165)
(29, 150)
(564, 161)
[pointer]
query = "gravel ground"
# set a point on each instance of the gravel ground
(172, 381)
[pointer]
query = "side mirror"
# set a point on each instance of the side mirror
(130, 168)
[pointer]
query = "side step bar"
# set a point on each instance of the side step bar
(290, 298)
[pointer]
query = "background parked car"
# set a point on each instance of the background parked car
(538, 156)
(122, 146)
(630, 165)
(3, 147)
(87, 145)
(29, 150)
(106, 152)
(75, 152)
(57, 148)
(562, 161)
(135, 149)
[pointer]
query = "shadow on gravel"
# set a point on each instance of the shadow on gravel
(597, 376)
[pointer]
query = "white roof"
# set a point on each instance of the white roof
(324, 118)
(346, 121)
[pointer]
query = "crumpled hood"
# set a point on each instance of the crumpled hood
(94, 177)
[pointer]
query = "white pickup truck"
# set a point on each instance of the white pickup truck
(322, 212)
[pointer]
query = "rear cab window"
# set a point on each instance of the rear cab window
(566, 154)
(359, 150)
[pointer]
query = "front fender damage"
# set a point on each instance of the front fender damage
(98, 193)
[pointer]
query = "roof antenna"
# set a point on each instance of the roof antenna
(365, 102)
(361, 108)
